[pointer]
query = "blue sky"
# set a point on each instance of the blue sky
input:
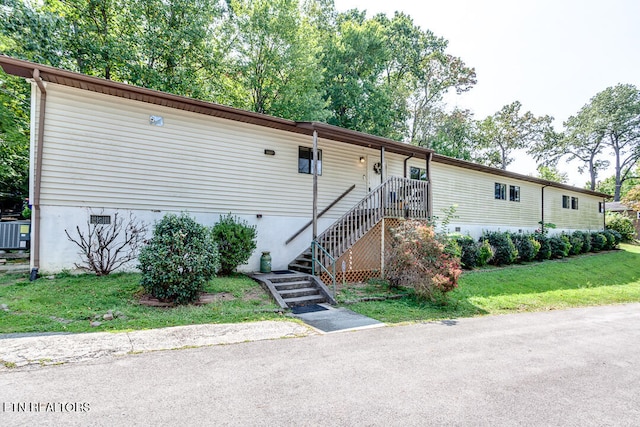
(552, 56)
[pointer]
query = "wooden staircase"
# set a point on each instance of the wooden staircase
(396, 197)
(293, 289)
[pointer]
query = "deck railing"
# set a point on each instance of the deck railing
(396, 197)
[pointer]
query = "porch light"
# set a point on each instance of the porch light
(361, 159)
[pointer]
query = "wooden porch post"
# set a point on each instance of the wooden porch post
(314, 165)
(382, 165)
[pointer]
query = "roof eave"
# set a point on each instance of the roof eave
(439, 158)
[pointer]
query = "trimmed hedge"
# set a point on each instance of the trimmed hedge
(505, 248)
(527, 247)
(504, 251)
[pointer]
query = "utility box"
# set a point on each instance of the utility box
(15, 235)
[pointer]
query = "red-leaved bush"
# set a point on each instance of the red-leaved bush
(417, 259)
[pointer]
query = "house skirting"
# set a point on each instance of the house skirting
(58, 253)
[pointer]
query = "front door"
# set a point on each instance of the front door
(374, 171)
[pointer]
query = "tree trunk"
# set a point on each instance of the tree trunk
(616, 194)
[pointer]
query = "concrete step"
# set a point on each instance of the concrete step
(286, 286)
(309, 299)
(295, 276)
(299, 292)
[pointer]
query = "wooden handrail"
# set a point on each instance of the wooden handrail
(324, 211)
(395, 197)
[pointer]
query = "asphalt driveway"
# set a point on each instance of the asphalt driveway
(579, 367)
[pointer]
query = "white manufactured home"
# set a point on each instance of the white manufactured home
(100, 147)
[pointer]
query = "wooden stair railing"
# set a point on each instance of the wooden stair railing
(395, 197)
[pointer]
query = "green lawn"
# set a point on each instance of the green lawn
(593, 279)
(69, 303)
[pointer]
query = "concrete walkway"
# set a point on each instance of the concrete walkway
(56, 349)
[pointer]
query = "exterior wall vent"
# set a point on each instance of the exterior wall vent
(100, 219)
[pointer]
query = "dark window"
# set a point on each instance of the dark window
(574, 203)
(305, 159)
(566, 202)
(514, 193)
(418, 173)
(500, 191)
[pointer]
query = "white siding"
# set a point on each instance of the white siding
(478, 209)
(586, 217)
(474, 194)
(102, 151)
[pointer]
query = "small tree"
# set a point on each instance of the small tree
(106, 247)
(236, 242)
(179, 260)
(418, 259)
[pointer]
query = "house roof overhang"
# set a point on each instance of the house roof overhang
(21, 68)
(26, 69)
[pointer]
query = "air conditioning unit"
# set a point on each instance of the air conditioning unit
(15, 235)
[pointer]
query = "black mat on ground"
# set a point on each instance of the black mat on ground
(312, 308)
(282, 272)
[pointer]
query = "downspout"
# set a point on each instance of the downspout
(542, 199)
(604, 214)
(405, 164)
(35, 203)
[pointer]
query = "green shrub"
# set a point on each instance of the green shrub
(469, 251)
(485, 253)
(504, 251)
(452, 247)
(598, 241)
(417, 259)
(545, 246)
(236, 242)
(576, 242)
(611, 240)
(178, 260)
(560, 246)
(26, 213)
(617, 236)
(527, 247)
(586, 240)
(622, 224)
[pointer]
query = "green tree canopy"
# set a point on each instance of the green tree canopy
(509, 130)
(615, 113)
(551, 173)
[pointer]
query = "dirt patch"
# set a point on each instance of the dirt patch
(205, 298)
(254, 294)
